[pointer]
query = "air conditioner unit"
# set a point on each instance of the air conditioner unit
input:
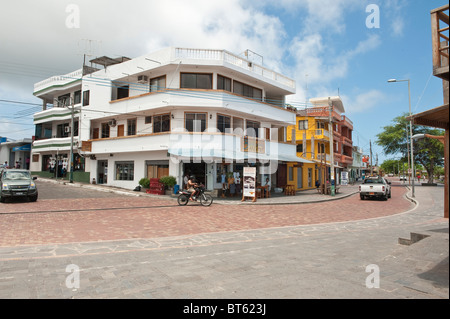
(143, 79)
(67, 129)
(112, 123)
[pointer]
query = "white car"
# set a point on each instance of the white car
(375, 187)
(403, 178)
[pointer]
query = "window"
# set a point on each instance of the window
(223, 123)
(161, 123)
(157, 84)
(252, 128)
(63, 130)
(299, 148)
(148, 120)
(196, 81)
(77, 97)
(123, 92)
(223, 83)
(320, 125)
(303, 124)
(64, 100)
(131, 127)
(195, 122)
(124, 171)
(247, 90)
(86, 98)
(105, 130)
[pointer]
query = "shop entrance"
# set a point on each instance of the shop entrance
(102, 172)
(196, 169)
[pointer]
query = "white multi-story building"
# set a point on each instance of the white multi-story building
(173, 112)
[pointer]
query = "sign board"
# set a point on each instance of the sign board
(344, 178)
(249, 182)
(253, 145)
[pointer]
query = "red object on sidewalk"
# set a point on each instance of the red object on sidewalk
(155, 187)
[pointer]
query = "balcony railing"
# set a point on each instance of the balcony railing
(222, 55)
(58, 80)
(321, 134)
(440, 39)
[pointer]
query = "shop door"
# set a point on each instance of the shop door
(310, 172)
(282, 175)
(102, 172)
(299, 177)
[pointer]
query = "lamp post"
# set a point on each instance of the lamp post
(413, 171)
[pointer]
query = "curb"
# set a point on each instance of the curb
(109, 189)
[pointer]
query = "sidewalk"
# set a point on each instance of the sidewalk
(306, 196)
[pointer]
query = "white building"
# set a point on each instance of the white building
(172, 112)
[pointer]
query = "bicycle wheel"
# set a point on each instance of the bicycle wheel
(206, 200)
(182, 200)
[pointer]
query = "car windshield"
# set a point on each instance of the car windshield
(373, 181)
(8, 175)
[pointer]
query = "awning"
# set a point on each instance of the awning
(233, 155)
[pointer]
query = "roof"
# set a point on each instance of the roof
(436, 117)
(323, 101)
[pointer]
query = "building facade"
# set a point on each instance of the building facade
(173, 112)
(315, 128)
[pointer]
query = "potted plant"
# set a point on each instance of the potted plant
(145, 183)
(169, 182)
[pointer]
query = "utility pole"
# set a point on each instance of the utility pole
(371, 166)
(71, 140)
(331, 147)
(407, 146)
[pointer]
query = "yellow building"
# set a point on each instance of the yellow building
(313, 143)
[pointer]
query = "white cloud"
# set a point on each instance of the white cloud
(363, 102)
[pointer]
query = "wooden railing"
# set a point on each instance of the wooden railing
(440, 39)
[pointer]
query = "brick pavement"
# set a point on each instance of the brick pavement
(128, 217)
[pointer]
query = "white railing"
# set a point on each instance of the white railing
(222, 55)
(58, 80)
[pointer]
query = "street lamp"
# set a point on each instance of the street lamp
(410, 130)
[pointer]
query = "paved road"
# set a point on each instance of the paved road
(319, 250)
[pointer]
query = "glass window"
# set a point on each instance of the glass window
(223, 123)
(131, 127)
(252, 128)
(223, 83)
(105, 130)
(77, 97)
(303, 124)
(157, 84)
(247, 90)
(195, 122)
(161, 123)
(86, 98)
(196, 81)
(299, 148)
(124, 171)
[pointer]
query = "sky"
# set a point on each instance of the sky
(348, 48)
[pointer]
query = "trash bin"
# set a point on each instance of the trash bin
(176, 188)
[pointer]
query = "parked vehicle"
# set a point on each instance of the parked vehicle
(403, 178)
(375, 187)
(17, 183)
(205, 199)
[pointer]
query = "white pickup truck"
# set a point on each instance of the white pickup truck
(375, 187)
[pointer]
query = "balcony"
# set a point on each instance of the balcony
(323, 112)
(222, 56)
(346, 159)
(321, 134)
(346, 141)
(440, 39)
(345, 121)
(54, 144)
(58, 81)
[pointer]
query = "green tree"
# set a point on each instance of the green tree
(427, 152)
